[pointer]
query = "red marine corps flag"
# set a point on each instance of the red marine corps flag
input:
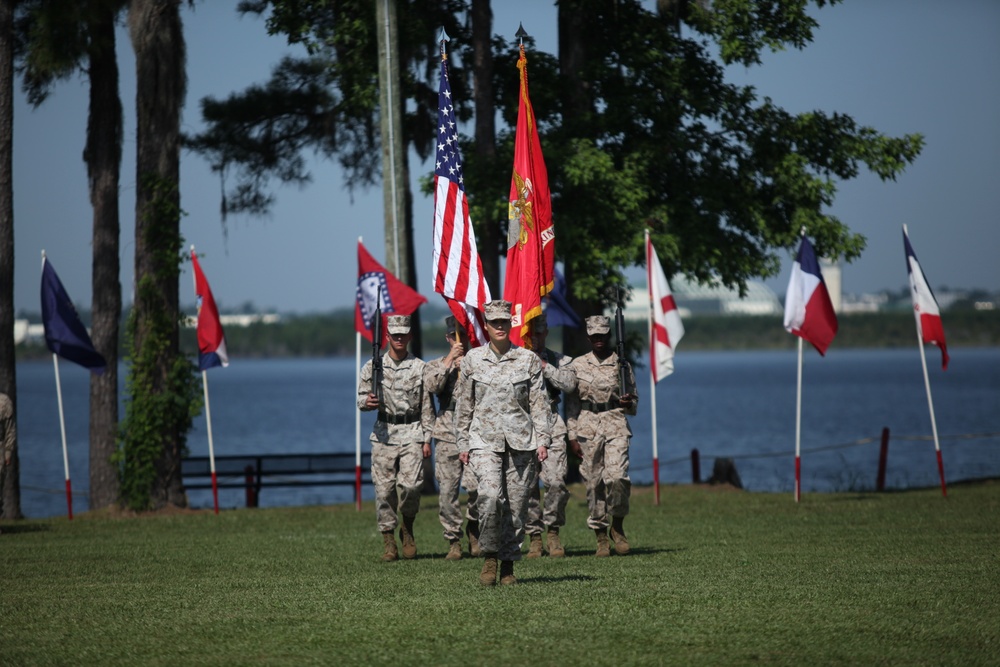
(530, 235)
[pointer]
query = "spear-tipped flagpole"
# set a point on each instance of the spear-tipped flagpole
(521, 33)
(62, 426)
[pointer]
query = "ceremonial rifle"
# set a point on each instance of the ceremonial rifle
(620, 334)
(377, 351)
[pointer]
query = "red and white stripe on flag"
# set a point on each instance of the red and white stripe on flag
(458, 271)
(667, 329)
(925, 306)
(808, 309)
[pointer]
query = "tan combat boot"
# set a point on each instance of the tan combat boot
(406, 535)
(390, 547)
(618, 535)
(535, 547)
(472, 531)
(555, 546)
(603, 550)
(507, 577)
(488, 577)
(454, 551)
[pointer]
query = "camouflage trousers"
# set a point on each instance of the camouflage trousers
(551, 513)
(505, 480)
(451, 475)
(398, 477)
(605, 471)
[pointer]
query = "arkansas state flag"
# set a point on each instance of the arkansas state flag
(925, 307)
(667, 329)
(530, 235)
(397, 298)
(808, 309)
(65, 334)
(458, 272)
(211, 339)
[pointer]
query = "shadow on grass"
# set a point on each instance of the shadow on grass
(527, 581)
(15, 528)
(635, 551)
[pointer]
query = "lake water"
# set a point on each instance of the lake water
(725, 404)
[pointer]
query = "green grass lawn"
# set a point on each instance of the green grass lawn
(716, 576)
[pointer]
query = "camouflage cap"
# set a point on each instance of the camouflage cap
(497, 310)
(450, 325)
(598, 324)
(398, 324)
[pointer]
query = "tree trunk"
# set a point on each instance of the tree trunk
(486, 139)
(103, 155)
(576, 108)
(158, 40)
(11, 484)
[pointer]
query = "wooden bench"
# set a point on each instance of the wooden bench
(254, 472)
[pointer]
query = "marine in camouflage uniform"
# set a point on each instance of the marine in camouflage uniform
(440, 377)
(502, 419)
(595, 418)
(401, 437)
(8, 440)
(551, 515)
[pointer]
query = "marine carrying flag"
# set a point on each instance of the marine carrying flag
(530, 234)
(925, 307)
(397, 298)
(458, 272)
(65, 334)
(211, 338)
(667, 329)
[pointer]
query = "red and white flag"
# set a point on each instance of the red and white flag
(458, 272)
(808, 309)
(378, 287)
(925, 307)
(211, 338)
(530, 271)
(667, 329)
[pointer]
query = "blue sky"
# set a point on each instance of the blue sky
(899, 66)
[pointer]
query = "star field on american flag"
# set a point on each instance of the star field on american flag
(449, 161)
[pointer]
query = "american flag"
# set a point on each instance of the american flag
(458, 273)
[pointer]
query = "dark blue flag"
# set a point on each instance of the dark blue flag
(559, 312)
(65, 334)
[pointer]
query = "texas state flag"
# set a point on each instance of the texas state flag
(211, 339)
(808, 309)
(925, 307)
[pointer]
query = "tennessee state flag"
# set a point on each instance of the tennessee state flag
(211, 338)
(925, 306)
(808, 309)
(667, 329)
(376, 286)
(530, 235)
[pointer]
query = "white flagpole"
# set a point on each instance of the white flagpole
(652, 382)
(211, 448)
(62, 429)
(357, 425)
(930, 406)
(798, 429)
(208, 411)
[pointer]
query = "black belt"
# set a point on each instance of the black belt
(599, 407)
(405, 418)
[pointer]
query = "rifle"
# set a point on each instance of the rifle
(620, 335)
(377, 351)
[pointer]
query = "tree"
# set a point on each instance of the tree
(61, 38)
(639, 126)
(330, 102)
(11, 484)
(162, 389)
(641, 129)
